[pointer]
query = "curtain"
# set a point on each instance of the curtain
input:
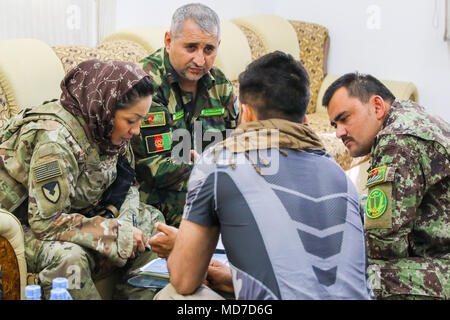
(106, 18)
(56, 22)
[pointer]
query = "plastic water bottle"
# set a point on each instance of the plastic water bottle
(58, 294)
(63, 284)
(33, 292)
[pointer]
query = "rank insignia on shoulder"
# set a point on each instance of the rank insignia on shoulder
(212, 112)
(158, 143)
(154, 119)
(52, 191)
(376, 204)
(376, 175)
(47, 171)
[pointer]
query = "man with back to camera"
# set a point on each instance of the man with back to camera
(288, 215)
(407, 214)
(192, 95)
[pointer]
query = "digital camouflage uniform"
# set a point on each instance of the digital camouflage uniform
(407, 217)
(46, 150)
(163, 178)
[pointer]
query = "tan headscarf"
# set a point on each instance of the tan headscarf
(91, 91)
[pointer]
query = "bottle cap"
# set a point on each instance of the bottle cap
(58, 294)
(60, 283)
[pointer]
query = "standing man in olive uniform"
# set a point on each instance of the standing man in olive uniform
(193, 107)
(407, 213)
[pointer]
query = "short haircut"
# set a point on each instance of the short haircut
(277, 86)
(206, 18)
(141, 89)
(361, 86)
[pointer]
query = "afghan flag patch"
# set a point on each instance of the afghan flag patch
(376, 175)
(158, 142)
(212, 112)
(154, 119)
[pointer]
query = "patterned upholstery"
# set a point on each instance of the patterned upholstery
(71, 56)
(256, 44)
(313, 40)
(124, 50)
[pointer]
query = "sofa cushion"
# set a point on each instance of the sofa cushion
(314, 43)
(280, 35)
(30, 73)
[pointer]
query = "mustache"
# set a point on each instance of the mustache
(344, 139)
(194, 65)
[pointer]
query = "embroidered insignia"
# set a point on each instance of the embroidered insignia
(376, 175)
(158, 142)
(178, 115)
(47, 171)
(154, 119)
(376, 204)
(212, 112)
(52, 191)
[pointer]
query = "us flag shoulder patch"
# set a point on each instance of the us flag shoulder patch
(47, 171)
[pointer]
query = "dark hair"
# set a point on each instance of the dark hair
(141, 89)
(277, 86)
(361, 86)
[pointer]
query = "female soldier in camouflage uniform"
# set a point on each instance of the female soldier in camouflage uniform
(63, 156)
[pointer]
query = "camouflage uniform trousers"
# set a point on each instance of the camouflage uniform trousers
(51, 259)
(410, 279)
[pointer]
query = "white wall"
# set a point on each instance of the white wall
(395, 40)
(136, 13)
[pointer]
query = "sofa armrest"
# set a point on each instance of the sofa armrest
(14, 266)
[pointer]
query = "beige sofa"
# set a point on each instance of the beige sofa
(31, 71)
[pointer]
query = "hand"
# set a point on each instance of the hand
(219, 277)
(194, 156)
(162, 243)
(138, 242)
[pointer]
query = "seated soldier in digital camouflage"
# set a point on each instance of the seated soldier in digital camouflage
(192, 97)
(407, 213)
(66, 171)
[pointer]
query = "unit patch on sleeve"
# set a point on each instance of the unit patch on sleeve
(154, 119)
(158, 143)
(52, 191)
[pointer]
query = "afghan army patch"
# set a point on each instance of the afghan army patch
(376, 175)
(47, 171)
(52, 191)
(376, 204)
(154, 119)
(158, 143)
(212, 112)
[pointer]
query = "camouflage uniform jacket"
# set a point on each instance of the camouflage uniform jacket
(212, 110)
(47, 151)
(408, 208)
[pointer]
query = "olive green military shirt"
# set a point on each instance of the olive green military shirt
(178, 122)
